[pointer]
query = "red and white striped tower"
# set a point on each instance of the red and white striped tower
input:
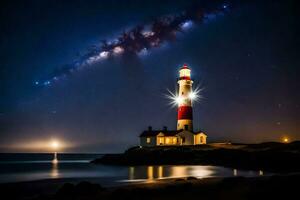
(185, 110)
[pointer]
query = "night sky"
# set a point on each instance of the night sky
(247, 61)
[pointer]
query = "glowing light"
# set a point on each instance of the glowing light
(167, 140)
(54, 171)
(55, 144)
(235, 172)
(286, 140)
(176, 99)
(179, 171)
(150, 172)
(36, 82)
(118, 50)
(55, 160)
(179, 100)
(195, 95)
(42, 145)
(160, 172)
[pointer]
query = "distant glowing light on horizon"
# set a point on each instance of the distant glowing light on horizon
(55, 144)
(286, 140)
(41, 145)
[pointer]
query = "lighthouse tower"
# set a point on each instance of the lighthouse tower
(184, 135)
(185, 110)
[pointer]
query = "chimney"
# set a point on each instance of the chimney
(165, 128)
(149, 128)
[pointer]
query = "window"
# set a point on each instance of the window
(160, 141)
(174, 140)
(167, 140)
(183, 140)
(186, 127)
(148, 140)
(201, 139)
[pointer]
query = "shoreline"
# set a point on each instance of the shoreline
(29, 189)
(172, 187)
(271, 157)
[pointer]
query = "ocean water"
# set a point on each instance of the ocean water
(29, 167)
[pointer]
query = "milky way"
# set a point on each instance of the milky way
(140, 39)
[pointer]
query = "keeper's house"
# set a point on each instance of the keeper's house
(165, 137)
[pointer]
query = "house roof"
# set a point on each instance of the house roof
(149, 133)
(156, 132)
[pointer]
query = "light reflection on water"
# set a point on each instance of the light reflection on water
(54, 171)
(14, 171)
(150, 173)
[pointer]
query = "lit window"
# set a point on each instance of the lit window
(160, 141)
(148, 140)
(201, 139)
(167, 140)
(174, 140)
(185, 73)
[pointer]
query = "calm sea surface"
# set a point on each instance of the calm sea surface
(28, 167)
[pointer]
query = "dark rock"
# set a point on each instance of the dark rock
(85, 188)
(67, 189)
(191, 178)
(271, 157)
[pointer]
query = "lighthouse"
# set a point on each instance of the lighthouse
(184, 133)
(184, 99)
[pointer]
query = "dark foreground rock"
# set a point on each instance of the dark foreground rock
(276, 187)
(82, 189)
(272, 157)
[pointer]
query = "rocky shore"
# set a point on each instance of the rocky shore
(275, 187)
(272, 156)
